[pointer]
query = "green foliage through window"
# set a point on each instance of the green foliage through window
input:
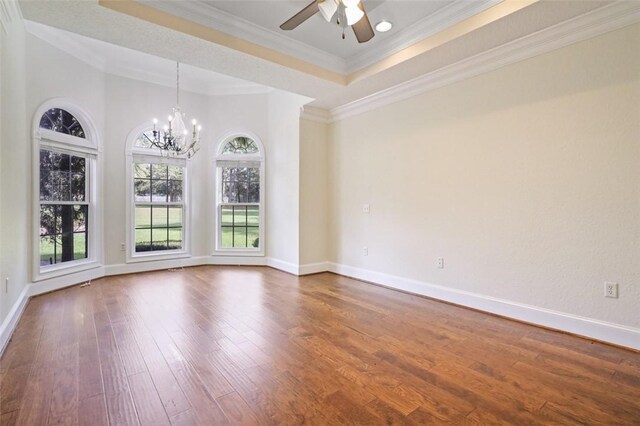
(63, 208)
(240, 145)
(158, 194)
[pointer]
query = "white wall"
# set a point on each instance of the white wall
(526, 180)
(231, 114)
(38, 71)
(282, 190)
(314, 196)
(129, 104)
(15, 155)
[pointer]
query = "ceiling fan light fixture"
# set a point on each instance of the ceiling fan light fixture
(350, 3)
(384, 26)
(353, 14)
(328, 8)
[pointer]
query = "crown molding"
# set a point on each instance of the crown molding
(583, 27)
(9, 12)
(317, 115)
(205, 14)
(426, 27)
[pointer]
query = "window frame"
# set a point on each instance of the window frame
(88, 148)
(220, 158)
(152, 155)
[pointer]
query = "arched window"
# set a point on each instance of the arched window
(240, 195)
(157, 220)
(66, 217)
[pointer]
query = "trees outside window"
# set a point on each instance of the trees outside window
(66, 159)
(239, 195)
(157, 201)
(64, 208)
(158, 190)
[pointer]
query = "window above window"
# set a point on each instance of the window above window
(157, 204)
(144, 140)
(240, 145)
(59, 120)
(66, 217)
(239, 195)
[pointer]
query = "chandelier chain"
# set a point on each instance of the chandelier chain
(173, 140)
(178, 83)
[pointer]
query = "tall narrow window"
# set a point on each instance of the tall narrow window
(157, 202)
(64, 207)
(239, 195)
(66, 213)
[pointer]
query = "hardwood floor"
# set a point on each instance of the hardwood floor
(252, 345)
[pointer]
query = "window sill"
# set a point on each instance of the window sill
(47, 272)
(150, 257)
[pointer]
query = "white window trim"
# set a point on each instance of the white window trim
(150, 155)
(90, 148)
(219, 157)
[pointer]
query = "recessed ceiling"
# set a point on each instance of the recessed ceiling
(206, 36)
(318, 41)
(318, 33)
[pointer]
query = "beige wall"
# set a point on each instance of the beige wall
(526, 180)
(313, 192)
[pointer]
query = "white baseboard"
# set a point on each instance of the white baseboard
(587, 327)
(237, 260)
(63, 281)
(131, 268)
(313, 268)
(12, 318)
(291, 268)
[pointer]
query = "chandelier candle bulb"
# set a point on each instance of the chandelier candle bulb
(173, 141)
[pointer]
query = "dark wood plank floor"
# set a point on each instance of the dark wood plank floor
(243, 345)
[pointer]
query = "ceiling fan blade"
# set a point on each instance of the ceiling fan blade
(301, 16)
(362, 29)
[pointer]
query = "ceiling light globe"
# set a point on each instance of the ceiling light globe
(383, 26)
(350, 3)
(328, 9)
(353, 14)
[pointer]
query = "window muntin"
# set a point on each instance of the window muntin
(240, 184)
(158, 206)
(240, 226)
(65, 217)
(239, 199)
(61, 121)
(64, 209)
(144, 140)
(240, 145)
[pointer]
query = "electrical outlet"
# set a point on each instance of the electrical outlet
(122, 246)
(365, 208)
(440, 263)
(611, 290)
(365, 251)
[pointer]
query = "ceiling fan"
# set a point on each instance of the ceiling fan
(348, 13)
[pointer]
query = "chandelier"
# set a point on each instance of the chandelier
(172, 140)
